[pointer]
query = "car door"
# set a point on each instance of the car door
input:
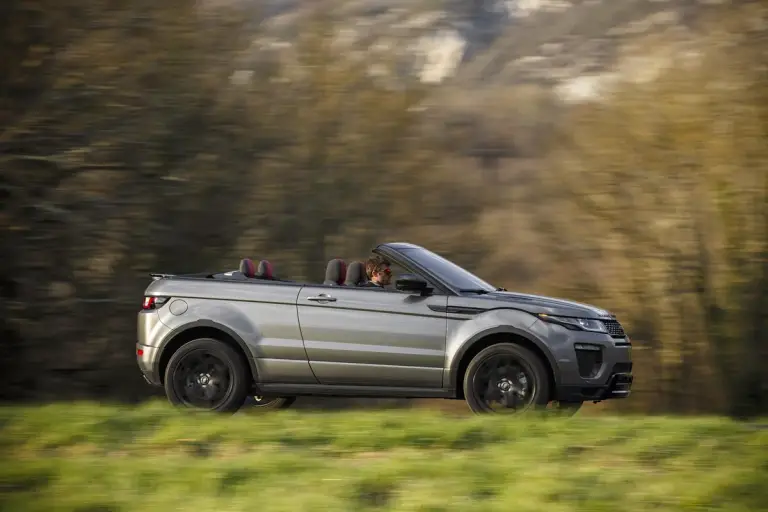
(373, 337)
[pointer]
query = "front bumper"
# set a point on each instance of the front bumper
(618, 385)
(591, 366)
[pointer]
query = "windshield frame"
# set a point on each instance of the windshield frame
(450, 277)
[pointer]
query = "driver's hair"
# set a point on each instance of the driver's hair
(374, 264)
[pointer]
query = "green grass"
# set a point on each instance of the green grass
(85, 457)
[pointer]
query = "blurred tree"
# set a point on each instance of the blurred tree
(87, 156)
(673, 173)
(170, 136)
(142, 150)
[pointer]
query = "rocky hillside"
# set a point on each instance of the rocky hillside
(571, 44)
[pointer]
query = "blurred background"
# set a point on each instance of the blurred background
(608, 151)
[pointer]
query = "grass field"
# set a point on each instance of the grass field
(87, 457)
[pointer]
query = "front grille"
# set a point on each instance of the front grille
(614, 328)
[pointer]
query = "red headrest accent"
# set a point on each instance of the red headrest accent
(247, 267)
(265, 269)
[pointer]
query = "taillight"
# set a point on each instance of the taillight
(152, 302)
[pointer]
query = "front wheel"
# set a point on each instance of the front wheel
(506, 378)
(207, 374)
(272, 402)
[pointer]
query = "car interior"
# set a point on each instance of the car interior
(337, 273)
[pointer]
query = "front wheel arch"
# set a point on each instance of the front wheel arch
(484, 341)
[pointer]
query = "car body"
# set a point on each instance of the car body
(289, 339)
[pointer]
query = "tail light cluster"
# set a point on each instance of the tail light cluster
(153, 302)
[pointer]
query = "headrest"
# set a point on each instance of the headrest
(355, 274)
(335, 272)
(247, 267)
(265, 270)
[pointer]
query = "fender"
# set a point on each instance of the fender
(209, 324)
(502, 329)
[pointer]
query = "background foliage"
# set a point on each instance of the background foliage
(132, 141)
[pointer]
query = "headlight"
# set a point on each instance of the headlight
(576, 324)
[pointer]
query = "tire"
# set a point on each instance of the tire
(271, 402)
(198, 366)
(536, 383)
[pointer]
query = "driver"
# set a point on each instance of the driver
(378, 271)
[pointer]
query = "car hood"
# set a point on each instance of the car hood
(549, 305)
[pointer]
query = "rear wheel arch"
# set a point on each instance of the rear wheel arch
(487, 339)
(203, 329)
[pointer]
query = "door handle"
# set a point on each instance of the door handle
(322, 298)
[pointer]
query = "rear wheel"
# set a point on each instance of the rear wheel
(207, 374)
(272, 402)
(506, 378)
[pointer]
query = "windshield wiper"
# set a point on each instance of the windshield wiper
(479, 291)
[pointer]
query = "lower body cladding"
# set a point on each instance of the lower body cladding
(595, 370)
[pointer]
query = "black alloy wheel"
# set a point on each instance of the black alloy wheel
(207, 374)
(505, 378)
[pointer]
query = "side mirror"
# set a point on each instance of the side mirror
(412, 283)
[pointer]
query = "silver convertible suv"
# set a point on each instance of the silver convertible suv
(214, 340)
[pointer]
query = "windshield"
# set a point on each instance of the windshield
(452, 274)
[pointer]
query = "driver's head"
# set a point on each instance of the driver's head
(378, 270)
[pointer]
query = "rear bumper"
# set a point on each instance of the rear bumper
(146, 357)
(150, 331)
(148, 380)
